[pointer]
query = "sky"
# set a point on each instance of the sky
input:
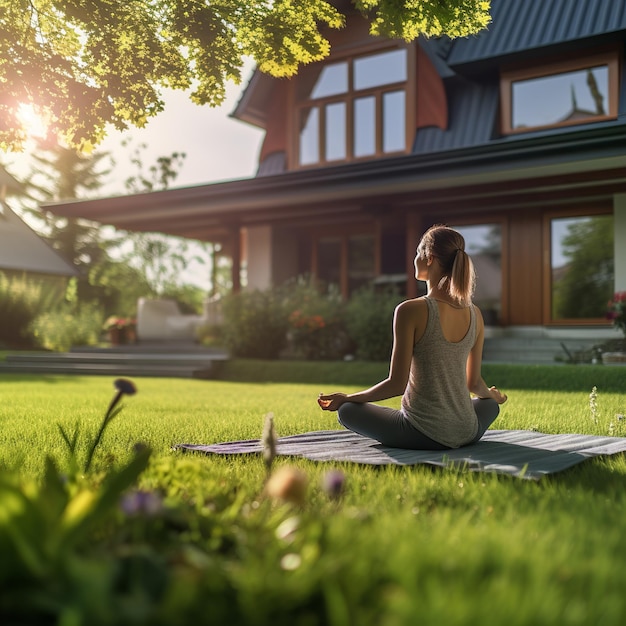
(217, 146)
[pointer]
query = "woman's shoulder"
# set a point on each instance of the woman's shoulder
(413, 307)
(414, 304)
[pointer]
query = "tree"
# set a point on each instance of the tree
(160, 258)
(60, 172)
(88, 63)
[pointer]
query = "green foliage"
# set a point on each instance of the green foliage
(107, 61)
(21, 301)
(188, 539)
(315, 321)
(68, 325)
(408, 20)
(255, 324)
(117, 287)
(369, 316)
(59, 172)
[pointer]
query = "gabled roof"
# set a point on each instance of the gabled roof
(589, 162)
(523, 25)
(22, 250)
(9, 184)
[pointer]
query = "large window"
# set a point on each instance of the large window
(560, 94)
(352, 109)
(483, 242)
(347, 262)
(581, 267)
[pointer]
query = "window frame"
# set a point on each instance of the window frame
(484, 219)
(410, 112)
(512, 74)
(343, 234)
(602, 208)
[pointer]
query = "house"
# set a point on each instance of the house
(22, 251)
(516, 136)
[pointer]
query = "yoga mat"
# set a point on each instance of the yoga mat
(522, 453)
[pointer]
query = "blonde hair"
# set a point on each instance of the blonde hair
(448, 247)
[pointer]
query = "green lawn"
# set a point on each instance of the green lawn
(403, 546)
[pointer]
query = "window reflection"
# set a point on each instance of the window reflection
(336, 131)
(394, 138)
(364, 126)
(329, 261)
(483, 242)
(582, 266)
(333, 80)
(360, 261)
(309, 136)
(362, 92)
(381, 69)
(560, 98)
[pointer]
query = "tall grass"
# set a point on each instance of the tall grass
(405, 545)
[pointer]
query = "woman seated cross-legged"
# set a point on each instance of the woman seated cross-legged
(435, 362)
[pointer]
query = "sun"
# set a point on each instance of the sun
(35, 125)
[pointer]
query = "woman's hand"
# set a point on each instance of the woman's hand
(497, 395)
(331, 401)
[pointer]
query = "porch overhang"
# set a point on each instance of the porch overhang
(577, 166)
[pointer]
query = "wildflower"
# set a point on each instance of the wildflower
(268, 440)
(141, 503)
(333, 483)
(288, 484)
(593, 403)
(123, 387)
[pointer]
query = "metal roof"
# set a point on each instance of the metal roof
(472, 114)
(520, 25)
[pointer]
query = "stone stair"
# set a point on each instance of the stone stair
(175, 360)
(534, 350)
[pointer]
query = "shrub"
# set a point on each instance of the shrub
(21, 300)
(68, 325)
(316, 328)
(368, 319)
(255, 324)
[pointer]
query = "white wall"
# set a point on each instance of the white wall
(259, 257)
(619, 217)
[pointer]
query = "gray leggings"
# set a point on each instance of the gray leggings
(391, 428)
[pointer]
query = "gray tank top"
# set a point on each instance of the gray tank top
(436, 400)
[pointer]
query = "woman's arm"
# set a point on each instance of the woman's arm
(475, 382)
(406, 316)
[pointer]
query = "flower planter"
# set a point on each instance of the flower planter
(117, 336)
(614, 358)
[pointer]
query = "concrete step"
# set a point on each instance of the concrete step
(534, 350)
(116, 364)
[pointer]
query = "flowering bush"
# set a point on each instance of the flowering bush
(616, 311)
(119, 323)
(316, 328)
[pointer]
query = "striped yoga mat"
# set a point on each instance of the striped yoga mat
(521, 453)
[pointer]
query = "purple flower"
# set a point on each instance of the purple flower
(141, 503)
(333, 483)
(125, 386)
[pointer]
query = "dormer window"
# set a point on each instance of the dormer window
(352, 109)
(560, 94)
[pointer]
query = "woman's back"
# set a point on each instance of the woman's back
(436, 399)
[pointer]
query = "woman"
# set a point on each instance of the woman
(435, 363)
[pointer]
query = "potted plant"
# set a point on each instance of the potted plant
(121, 330)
